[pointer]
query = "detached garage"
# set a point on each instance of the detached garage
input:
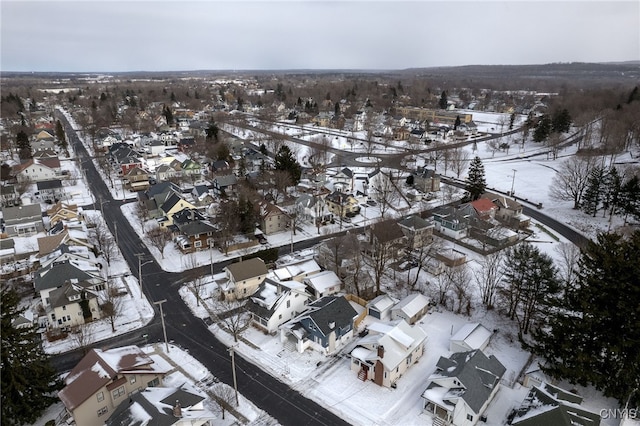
(470, 337)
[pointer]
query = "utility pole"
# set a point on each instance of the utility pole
(140, 265)
(513, 180)
(164, 330)
(233, 367)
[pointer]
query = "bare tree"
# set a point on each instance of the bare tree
(357, 279)
(281, 182)
(382, 250)
(488, 277)
(421, 256)
(445, 284)
(569, 254)
(460, 160)
(571, 179)
(386, 193)
(159, 237)
(142, 214)
(493, 146)
(195, 279)
(104, 241)
(224, 396)
(331, 253)
(82, 335)
(111, 304)
(232, 315)
(461, 280)
(228, 223)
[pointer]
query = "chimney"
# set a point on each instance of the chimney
(177, 410)
(380, 351)
(332, 325)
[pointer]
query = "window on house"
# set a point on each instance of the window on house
(198, 244)
(132, 379)
(280, 316)
(100, 396)
(102, 411)
(469, 417)
(153, 383)
(288, 303)
(117, 393)
(64, 307)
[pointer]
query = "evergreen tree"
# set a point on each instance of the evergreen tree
(285, 160)
(476, 183)
(530, 284)
(247, 214)
(443, 100)
(512, 119)
(213, 130)
(60, 134)
(593, 194)
(336, 109)
(168, 115)
(634, 95)
(543, 129)
(24, 147)
(28, 380)
(457, 123)
(593, 336)
(611, 195)
(561, 121)
(630, 198)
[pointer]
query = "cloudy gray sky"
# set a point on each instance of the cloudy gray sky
(179, 35)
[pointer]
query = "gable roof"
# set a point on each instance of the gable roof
(49, 243)
(329, 310)
(154, 406)
(21, 213)
(412, 304)
(483, 205)
(549, 405)
(56, 275)
(397, 338)
(386, 232)
(247, 269)
(60, 296)
(196, 227)
(477, 373)
(473, 334)
(415, 222)
(322, 281)
(98, 368)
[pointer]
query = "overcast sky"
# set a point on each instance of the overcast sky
(112, 36)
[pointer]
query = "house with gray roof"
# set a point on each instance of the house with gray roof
(326, 326)
(72, 305)
(51, 190)
(161, 406)
(418, 231)
(461, 388)
(550, 405)
(22, 221)
(276, 302)
(56, 275)
(244, 278)
(225, 185)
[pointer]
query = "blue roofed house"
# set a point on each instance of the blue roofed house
(461, 388)
(325, 326)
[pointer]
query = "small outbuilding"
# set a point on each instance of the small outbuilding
(470, 337)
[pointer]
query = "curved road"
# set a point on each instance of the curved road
(267, 393)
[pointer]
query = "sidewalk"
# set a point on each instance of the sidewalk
(157, 349)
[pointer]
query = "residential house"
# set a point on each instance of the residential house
(484, 208)
(173, 204)
(312, 209)
(51, 190)
(55, 275)
(9, 196)
(201, 196)
(462, 387)
(388, 350)
(68, 235)
(550, 405)
(388, 238)
(426, 180)
(164, 172)
(342, 205)
(411, 308)
(380, 307)
(7, 250)
(192, 169)
(418, 232)
(72, 305)
(225, 185)
(137, 179)
(186, 144)
(43, 140)
(199, 233)
(272, 218)
(156, 148)
(276, 302)
(76, 255)
(325, 326)
(220, 168)
(244, 278)
(45, 154)
(63, 212)
(450, 222)
(508, 211)
(297, 271)
(34, 171)
(470, 337)
(323, 284)
(104, 379)
(344, 181)
(163, 406)
(22, 221)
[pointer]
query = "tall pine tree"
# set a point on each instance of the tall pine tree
(593, 336)
(28, 380)
(476, 182)
(285, 160)
(594, 192)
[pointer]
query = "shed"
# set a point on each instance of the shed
(470, 337)
(411, 308)
(380, 307)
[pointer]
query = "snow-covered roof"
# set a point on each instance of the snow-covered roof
(287, 272)
(474, 335)
(412, 304)
(323, 281)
